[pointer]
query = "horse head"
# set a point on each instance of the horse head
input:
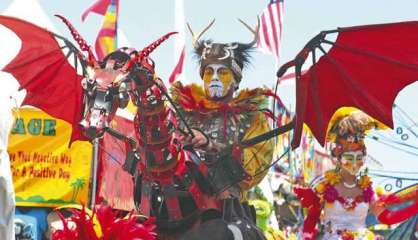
(106, 87)
(122, 75)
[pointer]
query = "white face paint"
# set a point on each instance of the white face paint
(216, 89)
(218, 80)
(352, 161)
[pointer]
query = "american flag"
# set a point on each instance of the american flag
(179, 48)
(270, 34)
(178, 69)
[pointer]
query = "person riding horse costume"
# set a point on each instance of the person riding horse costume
(221, 117)
(171, 183)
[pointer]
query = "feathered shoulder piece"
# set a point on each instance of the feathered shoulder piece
(193, 98)
(103, 223)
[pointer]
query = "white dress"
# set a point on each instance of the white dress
(337, 218)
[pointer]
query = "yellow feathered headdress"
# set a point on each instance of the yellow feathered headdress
(347, 130)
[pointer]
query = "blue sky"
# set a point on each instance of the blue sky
(145, 21)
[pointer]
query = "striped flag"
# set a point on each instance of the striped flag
(269, 38)
(99, 7)
(106, 41)
(178, 69)
(179, 47)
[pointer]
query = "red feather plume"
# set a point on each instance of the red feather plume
(113, 227)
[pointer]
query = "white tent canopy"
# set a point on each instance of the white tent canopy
(29, 10)
(9, 97)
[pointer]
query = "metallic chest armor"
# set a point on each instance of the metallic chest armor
(224, 171)
(214, 127)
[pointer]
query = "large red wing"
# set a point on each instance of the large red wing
(366, 68)
(41, 68)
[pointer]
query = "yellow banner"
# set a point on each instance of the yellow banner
(45, 171)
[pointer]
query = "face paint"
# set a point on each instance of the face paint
(352, 161)
(218, 80)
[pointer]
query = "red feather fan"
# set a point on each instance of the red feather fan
(112, 227)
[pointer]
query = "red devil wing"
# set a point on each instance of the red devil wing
(42, 68)
(366, 67)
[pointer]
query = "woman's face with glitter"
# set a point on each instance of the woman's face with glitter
(352, 161)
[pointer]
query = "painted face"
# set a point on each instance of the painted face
(218, 81)
(352, 161)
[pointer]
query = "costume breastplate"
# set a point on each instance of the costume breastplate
(217, 129)
(224, 171)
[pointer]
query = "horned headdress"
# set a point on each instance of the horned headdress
(234, 55)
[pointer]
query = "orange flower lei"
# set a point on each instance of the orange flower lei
(329, 194)
(320, 188)
(364, 182)
(332, 177)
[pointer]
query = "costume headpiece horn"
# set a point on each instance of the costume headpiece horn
(145, 52)
(198, 36)
(255, 31)
(80, 40)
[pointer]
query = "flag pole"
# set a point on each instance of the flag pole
(94, 168)
(179, 25)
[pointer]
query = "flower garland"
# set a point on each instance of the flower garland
(347, 235)
(363, 234)
(329, 193)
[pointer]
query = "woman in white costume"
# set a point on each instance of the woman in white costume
(341, 200)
